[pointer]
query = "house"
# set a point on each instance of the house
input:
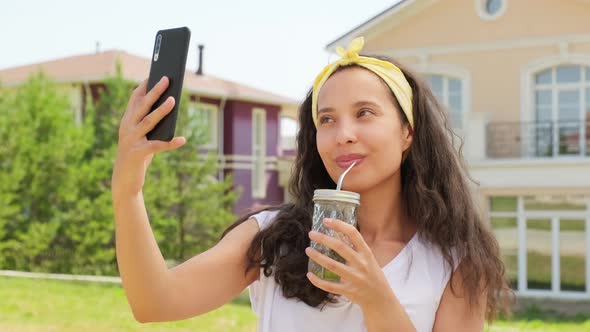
(515, 77)
(245, 122)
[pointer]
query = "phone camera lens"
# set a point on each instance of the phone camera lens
(157, 50)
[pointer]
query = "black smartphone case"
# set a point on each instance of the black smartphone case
(171, 62)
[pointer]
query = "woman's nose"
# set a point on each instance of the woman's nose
(346, 133)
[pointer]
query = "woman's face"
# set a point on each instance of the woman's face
(358, 120)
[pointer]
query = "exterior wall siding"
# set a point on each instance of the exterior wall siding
(237, 142)
(243, 180)
(437, 25)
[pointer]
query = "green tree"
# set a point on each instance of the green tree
(41, 148)
(55, 200)
(87, 243)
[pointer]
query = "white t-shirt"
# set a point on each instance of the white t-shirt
(418, 289)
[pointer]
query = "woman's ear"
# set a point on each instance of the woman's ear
(407, 136)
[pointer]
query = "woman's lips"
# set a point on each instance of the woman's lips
(347, 163)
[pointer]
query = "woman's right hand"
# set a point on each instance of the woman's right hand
(134, 150)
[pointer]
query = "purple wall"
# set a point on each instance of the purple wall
(243, 179)
(237, 128)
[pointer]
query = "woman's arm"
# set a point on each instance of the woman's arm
(387, 316)
(199, 285)
(154, 292)
(454, 311)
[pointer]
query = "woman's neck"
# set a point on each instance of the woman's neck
(382, 216)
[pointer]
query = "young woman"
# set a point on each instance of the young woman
(421, 258)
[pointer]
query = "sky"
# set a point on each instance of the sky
(277, 46)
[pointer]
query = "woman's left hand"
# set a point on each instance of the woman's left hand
(362, 280)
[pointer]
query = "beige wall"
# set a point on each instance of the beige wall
(449, 22)
(581, 48)
(496, 78)
(450, 33)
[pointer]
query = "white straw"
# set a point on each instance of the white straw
(342, 176)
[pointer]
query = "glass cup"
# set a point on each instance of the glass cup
(334, 204)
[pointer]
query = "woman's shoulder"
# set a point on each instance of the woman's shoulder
(433, 253)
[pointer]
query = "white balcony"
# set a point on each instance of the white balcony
(528, 155)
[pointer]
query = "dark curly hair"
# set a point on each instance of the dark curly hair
(435, 189)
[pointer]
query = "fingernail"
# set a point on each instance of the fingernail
(163, 79)
(327, 221)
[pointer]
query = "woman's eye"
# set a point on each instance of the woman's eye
(364, 112)
(325, 119)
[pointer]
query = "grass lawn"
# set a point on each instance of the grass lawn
(30, 305)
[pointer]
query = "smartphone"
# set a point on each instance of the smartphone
(168, 59)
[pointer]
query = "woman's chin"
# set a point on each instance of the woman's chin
(355, 185)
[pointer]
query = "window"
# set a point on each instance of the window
(289, 128)
(449, 91)
(504, 226)
(490, 9)
(259, 153)
(544, 241)
(203, 123)
(539, 247)
(562, 111)
(493, 7)
(75, 98)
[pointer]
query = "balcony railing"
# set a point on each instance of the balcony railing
(538, 139)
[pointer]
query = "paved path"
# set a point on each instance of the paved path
(70, 277)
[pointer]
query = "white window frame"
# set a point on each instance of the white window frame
(528, 87)
(213, 110)
(555, 88)
(480, 7)
(75, 97)
(455, 72)
(521, 216)
(258, 174)
(445, 100)
(287, 142)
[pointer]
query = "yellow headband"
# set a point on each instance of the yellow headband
(390, 73)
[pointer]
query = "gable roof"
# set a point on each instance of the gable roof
(400, 7)
(395, 14)
(98, 66)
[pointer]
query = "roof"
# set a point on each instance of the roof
(359, 30)
(395, 14)
(98, 66)
(399, 7)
